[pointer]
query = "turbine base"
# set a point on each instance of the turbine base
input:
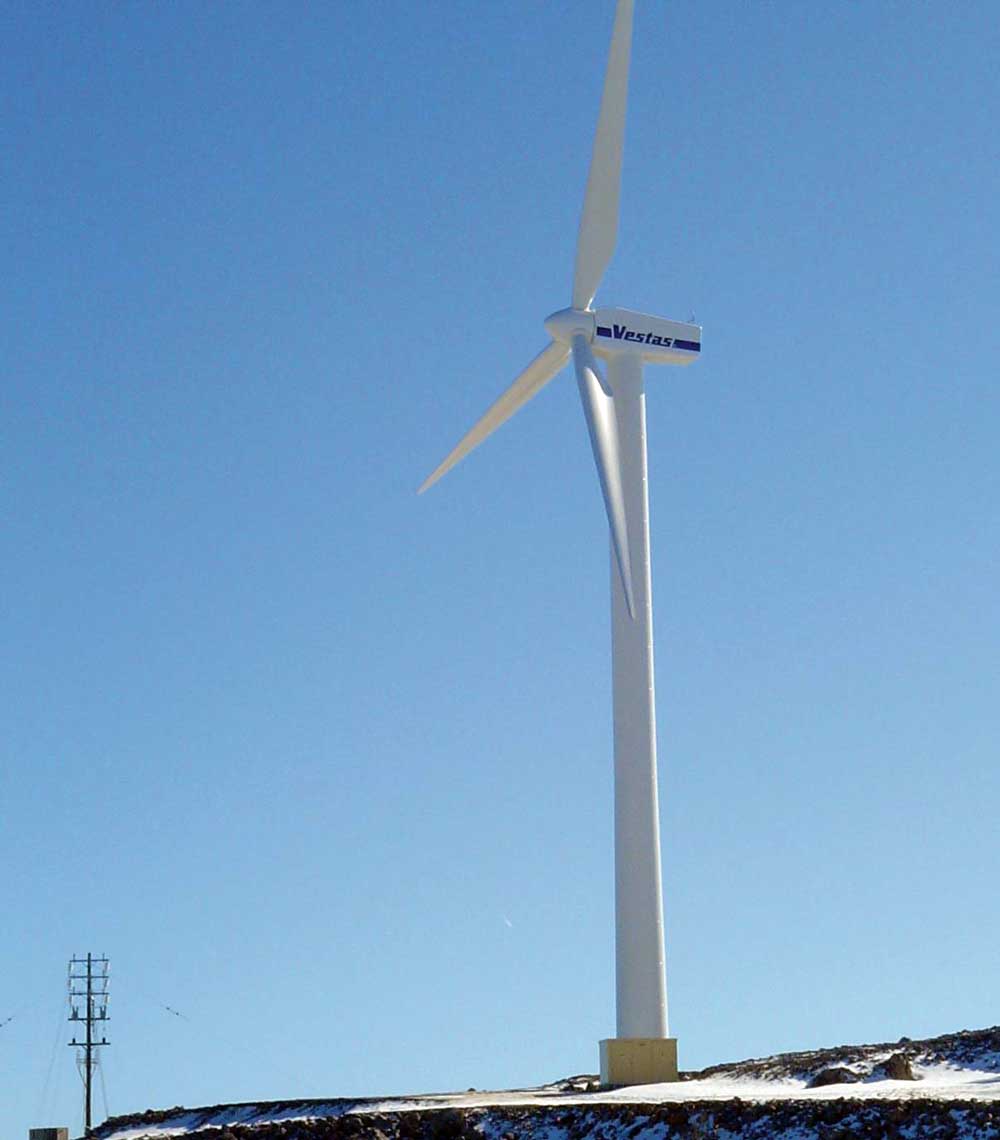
(638, 1061)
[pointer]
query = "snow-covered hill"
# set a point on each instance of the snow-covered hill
(944, 1087)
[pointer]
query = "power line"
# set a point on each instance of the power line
(104, 1087)
(43, 1104)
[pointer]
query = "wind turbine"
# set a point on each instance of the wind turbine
(614, 407)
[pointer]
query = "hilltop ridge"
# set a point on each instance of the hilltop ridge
(941, 1087)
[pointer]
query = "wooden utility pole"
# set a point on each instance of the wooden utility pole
(88, 984)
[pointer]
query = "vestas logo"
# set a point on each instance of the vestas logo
(623, 332)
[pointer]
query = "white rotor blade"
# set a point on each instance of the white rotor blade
(599, 221)
(531, 381)
(603, 426)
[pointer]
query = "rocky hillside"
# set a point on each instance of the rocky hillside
(977, 1050)
(947, 1087)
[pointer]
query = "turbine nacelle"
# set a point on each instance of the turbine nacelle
(656, 339)
(612, 331)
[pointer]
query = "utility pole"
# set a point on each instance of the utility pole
(88, 982)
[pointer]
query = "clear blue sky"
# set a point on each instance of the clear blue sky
(326, 767)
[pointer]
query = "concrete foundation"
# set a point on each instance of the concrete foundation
(638, 1061)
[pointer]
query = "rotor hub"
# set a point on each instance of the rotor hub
(568, 323)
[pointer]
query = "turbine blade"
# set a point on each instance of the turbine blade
(595, 242)
(603, 426)
(531, 381)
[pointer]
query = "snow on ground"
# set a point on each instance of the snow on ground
(225, 1116)
(937, 1082)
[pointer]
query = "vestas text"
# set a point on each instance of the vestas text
(623, 332)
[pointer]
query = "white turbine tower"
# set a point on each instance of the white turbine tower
(614, 406)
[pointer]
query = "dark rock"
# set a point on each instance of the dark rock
(897, 1068)
(833, 1076)
(445, 1124)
